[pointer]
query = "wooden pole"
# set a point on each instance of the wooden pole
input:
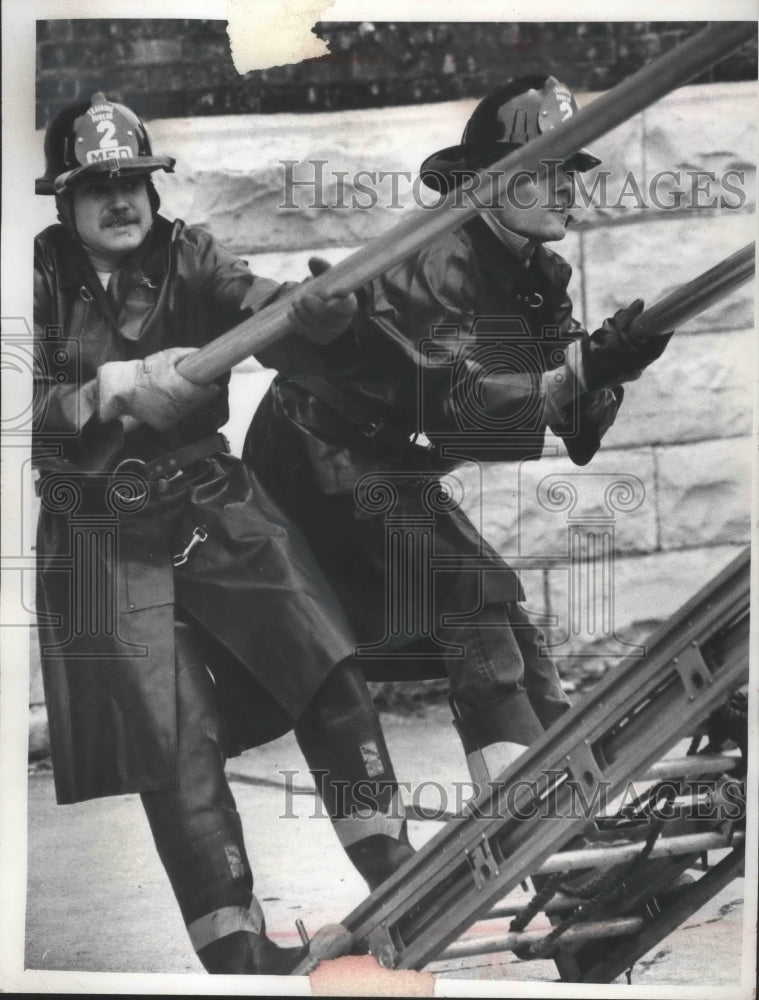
(693, 297)
(632, 95)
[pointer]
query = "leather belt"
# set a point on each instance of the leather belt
(373, 426)
(172, 465)
(161, 471)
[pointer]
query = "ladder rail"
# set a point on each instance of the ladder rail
(456, 877)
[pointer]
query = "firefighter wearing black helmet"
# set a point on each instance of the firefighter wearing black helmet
(182, 617)
(470, 341)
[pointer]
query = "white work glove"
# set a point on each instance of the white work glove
(151, 390)
(321, 320)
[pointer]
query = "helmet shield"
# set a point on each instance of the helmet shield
(509, 117)
(99, 138)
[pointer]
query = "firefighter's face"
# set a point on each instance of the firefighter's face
(538, 206)
(112, 216)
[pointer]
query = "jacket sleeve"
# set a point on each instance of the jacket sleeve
(220, 279)
(584, 421)
(237, 294)
(424, 308)
(434, 288)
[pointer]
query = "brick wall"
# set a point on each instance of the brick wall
(181, 68)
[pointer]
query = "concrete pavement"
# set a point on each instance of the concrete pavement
(98, 899)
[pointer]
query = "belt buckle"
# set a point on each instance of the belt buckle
(165, 481)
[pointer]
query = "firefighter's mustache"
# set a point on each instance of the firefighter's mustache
(114, 219)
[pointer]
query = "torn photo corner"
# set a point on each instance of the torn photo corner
(376, 572)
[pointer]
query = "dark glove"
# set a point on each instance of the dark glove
(150, 390)
(614, 354)
(586, 422)
(318, 318)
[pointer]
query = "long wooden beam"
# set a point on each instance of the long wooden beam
(632, 95)
(693, 297)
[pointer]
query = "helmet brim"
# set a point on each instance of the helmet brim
(443, 170)
(113, 168)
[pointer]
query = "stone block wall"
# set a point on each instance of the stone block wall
(681, 451)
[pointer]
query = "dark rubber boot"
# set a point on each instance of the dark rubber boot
(380, 856)
(493, 735)
(342, 740)
(243, 953)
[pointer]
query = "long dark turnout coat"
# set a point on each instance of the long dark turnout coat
(108, 594)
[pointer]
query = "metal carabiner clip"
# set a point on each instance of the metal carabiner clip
(199, 535)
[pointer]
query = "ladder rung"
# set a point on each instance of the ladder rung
(486, 945)
(616, 734)
(604, 857)
(684, 767)
(557, 904)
